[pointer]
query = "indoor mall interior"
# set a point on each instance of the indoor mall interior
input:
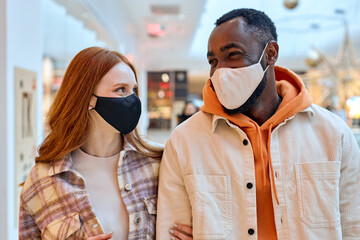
(167, 43)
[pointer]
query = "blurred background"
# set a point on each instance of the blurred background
(166, 40)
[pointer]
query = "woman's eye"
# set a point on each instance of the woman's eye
(121, 90)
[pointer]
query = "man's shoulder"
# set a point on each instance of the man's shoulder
(200, 121)
(322, 119)
(323, 114)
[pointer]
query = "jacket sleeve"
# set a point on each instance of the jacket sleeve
(173, 201)
(349, 188)
(27, 226)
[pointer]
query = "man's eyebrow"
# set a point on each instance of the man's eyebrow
(210, 54)
(228, 46)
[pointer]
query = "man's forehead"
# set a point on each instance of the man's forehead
(231, 32)
(236, 24)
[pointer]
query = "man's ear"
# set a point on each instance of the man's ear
(272, 52)
(92, 103)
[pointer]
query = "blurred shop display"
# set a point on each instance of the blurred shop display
(52, 79)
(25, 126)
(190, 108)
(334, 83)
(165, 91)
(356, 132)
(48, 72)
(68, 27)
(353, 111)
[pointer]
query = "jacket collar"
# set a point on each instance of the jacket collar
(65, 164)
(217, 118)
(62, 165)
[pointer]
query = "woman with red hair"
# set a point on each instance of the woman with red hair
(94, 174)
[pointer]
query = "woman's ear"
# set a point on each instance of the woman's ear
(272, 52)
(92, 103)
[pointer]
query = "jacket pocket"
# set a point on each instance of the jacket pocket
(62, 228)
(318, 193)
(211, 202)
(150, 205)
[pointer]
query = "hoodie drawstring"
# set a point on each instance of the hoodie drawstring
(261, 154)
(270, 164)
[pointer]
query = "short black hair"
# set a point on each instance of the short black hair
(263, 26)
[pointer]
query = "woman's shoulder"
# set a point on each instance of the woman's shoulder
(139, 155)
(35, 188)
(138, 164)
(37, 173)
(41, 177)
(139, 158)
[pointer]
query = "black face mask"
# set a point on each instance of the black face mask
(123, 113)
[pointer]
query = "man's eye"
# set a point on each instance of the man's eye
(211, 61)
(233, 54)
(135, 89)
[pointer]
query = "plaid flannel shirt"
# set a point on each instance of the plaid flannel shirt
(55, 205)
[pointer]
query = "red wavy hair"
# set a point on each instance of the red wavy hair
(69, 118)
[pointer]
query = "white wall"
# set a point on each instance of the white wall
(143, 95)
(23, 43)
(3, 143)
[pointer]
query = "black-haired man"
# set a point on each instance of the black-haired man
(260, 161)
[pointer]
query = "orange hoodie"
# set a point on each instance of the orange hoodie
(294, 99)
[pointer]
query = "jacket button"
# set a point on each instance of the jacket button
(251, 231)
(249, 185)
(245, 142)
(128, 187)
(137, 220)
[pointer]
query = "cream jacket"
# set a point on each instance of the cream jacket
(207, 179)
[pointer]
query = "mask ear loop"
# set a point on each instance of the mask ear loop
(262, 54)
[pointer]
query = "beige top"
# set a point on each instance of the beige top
(102, 185)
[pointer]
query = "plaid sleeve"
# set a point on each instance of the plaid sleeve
(27, 227)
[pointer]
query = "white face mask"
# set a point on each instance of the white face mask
(234, 86)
